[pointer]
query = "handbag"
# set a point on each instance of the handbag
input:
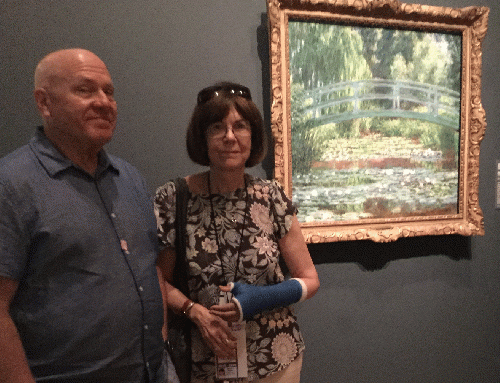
(178, 343)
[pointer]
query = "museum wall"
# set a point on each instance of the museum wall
(416, 310)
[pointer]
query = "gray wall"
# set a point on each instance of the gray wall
(419, 310)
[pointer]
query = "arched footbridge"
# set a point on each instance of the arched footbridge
(405, 99)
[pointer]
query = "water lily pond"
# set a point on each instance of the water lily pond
(386, 183)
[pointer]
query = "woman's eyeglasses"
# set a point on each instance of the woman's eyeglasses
(240, 129)
(216, 90)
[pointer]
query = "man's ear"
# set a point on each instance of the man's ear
(42, 102)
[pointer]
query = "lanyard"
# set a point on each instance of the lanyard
(212, 221)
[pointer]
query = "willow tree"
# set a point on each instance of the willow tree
(321, 54)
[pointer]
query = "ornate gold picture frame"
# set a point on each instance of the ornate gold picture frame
(377, 117)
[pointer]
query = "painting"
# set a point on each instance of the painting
(377, 117)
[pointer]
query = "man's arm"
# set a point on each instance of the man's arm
(13, 363)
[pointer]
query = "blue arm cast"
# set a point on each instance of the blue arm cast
(252, 299)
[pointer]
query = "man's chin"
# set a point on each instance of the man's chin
(102, 136)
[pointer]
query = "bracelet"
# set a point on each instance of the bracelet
(187, 306)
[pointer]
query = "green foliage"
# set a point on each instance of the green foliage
(381, 45)
(325, 53)
(305, 145)
(432, 136)
(304, 150)
(454, 45)
(354, 128)
(430, 62)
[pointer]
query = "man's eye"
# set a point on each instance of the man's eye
(83, 89)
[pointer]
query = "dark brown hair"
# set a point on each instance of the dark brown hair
(214, 110)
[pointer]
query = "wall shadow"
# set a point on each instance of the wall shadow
(263, 51)
(373, 256)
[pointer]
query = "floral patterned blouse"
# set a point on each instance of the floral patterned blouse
(248, 225)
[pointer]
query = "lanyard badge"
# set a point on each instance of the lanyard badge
(236, 368)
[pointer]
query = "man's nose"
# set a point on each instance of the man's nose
(102, 98)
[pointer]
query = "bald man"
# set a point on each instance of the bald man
(79, 294)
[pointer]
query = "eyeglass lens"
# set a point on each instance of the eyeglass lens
(239, 129)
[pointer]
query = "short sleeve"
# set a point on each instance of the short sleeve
(164, 205)
(13, 233)
(282, 208)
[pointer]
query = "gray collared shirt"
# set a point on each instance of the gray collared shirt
(83, 249)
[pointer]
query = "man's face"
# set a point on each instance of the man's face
(81, 108)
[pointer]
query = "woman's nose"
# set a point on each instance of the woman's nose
(229, 132)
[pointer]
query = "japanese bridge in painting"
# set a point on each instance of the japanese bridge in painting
(404, 99)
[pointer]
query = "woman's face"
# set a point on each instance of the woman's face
(229, 142)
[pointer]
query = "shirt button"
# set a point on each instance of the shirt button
(147, 364)
(141, 288)
(146, 327)
(113, 215)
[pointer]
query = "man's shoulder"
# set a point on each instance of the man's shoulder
(17, 163)
(128, 173)
(123, 166)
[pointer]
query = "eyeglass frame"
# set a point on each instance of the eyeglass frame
(235, 90)
(241, 132)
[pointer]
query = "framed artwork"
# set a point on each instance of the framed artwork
(377, 118)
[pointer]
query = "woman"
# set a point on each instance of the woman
(238, 227)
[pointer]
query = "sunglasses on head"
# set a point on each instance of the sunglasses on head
(216, 90)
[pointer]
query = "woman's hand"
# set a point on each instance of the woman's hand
(215, 331)
(228, 311)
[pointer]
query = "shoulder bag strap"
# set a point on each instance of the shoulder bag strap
(180, 268)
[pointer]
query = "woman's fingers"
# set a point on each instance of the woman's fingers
(223, 307)
(225, 288)
(219, 338)
(228, 316)
(226, 347)
(229, 312)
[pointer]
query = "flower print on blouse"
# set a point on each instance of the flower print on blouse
(246, 224)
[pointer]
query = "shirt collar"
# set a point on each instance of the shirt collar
(55, 162)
